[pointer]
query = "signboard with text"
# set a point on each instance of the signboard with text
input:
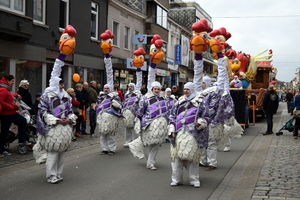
(177, 54)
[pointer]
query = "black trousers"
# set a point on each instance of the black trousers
(269, 117)
(296, 127)
(93, 126)
(6, 121)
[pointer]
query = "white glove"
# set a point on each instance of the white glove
(203, 124)
(115, 104)
(171, 131)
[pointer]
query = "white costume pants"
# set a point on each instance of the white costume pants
(209, 155)
(150, 152)
(130, 135)
(107, 142)
(177, 171)
(55, 163)
(228, 144)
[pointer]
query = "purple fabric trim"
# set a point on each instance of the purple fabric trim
(198, 56)
(153, 65)
(107, 55)
(138, 69)
(220, 55)
(61, 57)
(190, 120)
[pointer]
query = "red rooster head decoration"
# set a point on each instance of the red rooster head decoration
(139, 58)
(106, 42)
(156, 53)
(67, 40)
(198, 42)
(217, 43)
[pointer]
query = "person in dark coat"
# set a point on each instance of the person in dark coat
(297, 121)
(25, 94)
(34, 108)
(289, 98)
(270, 106)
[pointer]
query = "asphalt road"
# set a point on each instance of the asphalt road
(89, 175)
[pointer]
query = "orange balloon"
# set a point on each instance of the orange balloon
(76, 78)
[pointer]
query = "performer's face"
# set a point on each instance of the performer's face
(203, 85)
(106, 90)
(156, 90)
(61, 86)
(187, 92)
(130, 88)
(169, 93)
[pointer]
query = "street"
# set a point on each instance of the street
(89, 175)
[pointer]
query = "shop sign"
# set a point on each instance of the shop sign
(182, 75)
(177, 54)
(129, 65)
(161, 72)
(139, 39)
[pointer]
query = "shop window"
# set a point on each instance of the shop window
(39, 11)
(17, 6)
(31, 71)
(94, 75)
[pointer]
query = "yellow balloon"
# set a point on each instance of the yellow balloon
(76, 78)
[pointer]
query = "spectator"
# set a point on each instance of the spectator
(85, 99)
(289, 98)
(144, 89)
(93, 119)
(270, 106)
(75, 107)
(98, 88)
(175, 92)
(35, 108)
(297, 121)
(117, 89)
(78, 95)
(25, 94)
(9, 115)
(93, 94)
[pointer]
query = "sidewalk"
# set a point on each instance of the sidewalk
(268, 169)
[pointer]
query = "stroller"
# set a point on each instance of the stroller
(287, 126)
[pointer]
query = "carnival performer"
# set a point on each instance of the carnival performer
(151, 121)
(109, 108)
(188, 133)
(236, 83)
(170, 98)
(132, 97)
(55, 116)
(221, 107)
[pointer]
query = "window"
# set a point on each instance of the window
(63, 14)
(126, 37)
(17, 6)
(116, 33)
(39, 9)
(161, 16)
(136, 46)
(94, 20)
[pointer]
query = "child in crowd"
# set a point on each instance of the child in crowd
(93, 119)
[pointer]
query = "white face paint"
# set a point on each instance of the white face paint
(156, 91)
(106, 90)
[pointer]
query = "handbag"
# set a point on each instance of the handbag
(296, 114)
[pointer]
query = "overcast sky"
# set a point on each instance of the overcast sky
(261, 24)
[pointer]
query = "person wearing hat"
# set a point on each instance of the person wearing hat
(129, 109)
(188, 133)
(108, 112)
(235, 83)
(151, 124)
(206, 82)
(34, 108)
(175, 92)
(25, 94)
